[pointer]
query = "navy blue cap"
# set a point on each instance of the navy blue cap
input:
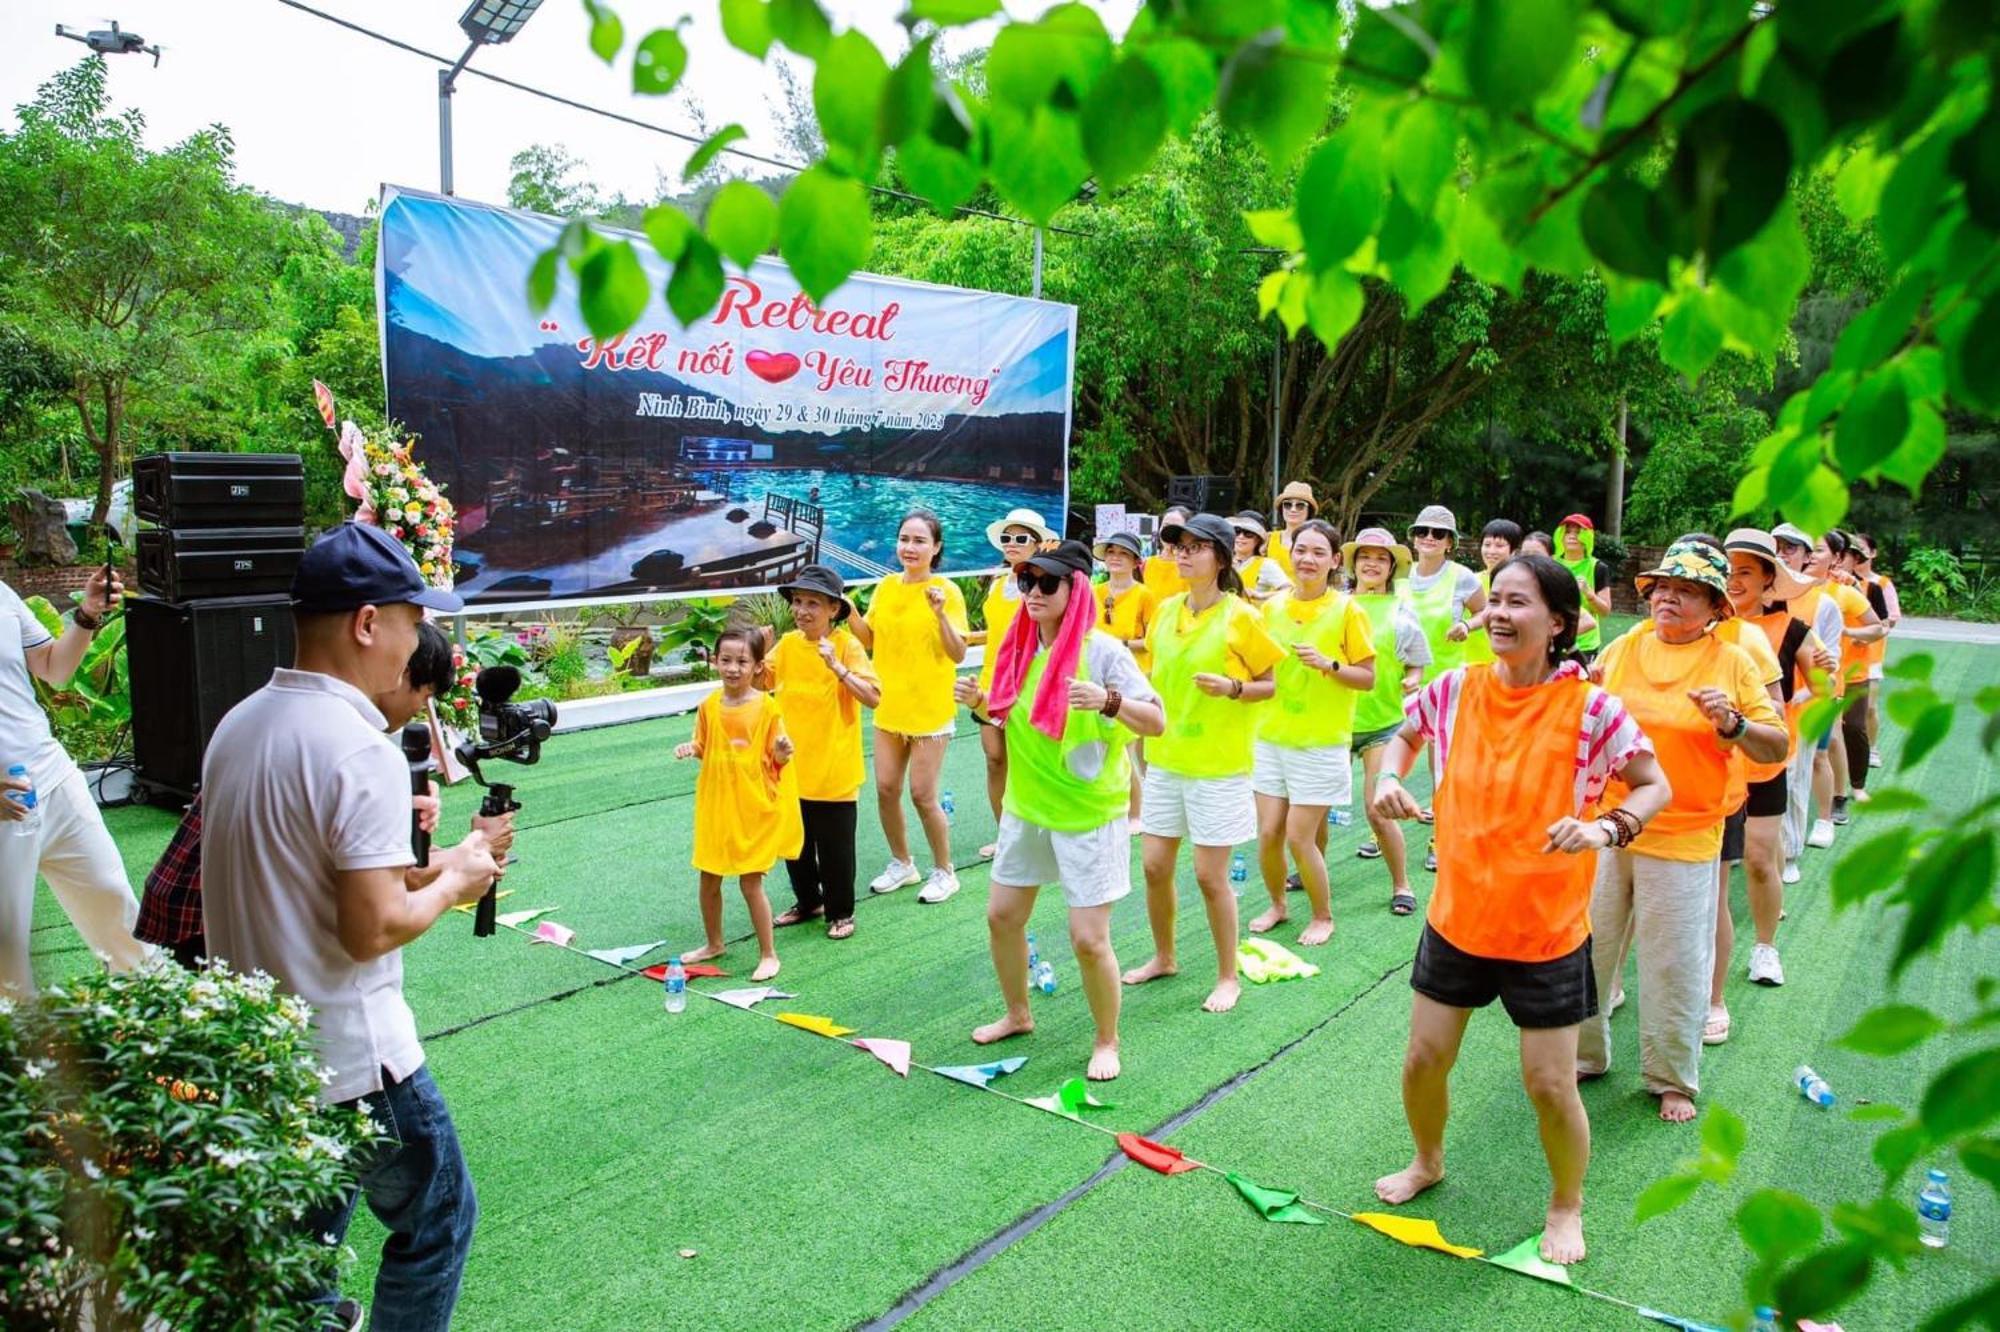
(359, 564)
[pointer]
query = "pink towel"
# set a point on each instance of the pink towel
(1050, 714)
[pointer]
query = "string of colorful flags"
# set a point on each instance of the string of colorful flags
(1075, 1101)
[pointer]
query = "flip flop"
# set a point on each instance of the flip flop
(798, 916)
(990, 850)
(1716, 1030)
(1403, 904)
(840, 929)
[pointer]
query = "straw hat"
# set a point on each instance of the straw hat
(1299, 490)
(1785, 584)
(1436, 515)
(1379, 538)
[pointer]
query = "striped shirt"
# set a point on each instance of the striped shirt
(1606, 741)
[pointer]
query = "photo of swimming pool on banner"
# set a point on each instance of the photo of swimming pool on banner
(770, 434)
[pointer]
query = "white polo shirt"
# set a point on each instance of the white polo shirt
(24, 728)
(300, 782)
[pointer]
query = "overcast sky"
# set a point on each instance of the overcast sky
(323, 116)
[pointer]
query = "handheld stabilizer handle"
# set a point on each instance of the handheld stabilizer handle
(499, 800)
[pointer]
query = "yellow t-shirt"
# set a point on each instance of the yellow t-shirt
(1311, 709)
(1002, 604)
(1163, 576)
(916, 674)
(1279, 547)
(1207, 736)
(1854, 607)
(821, 716)
(1130, 616)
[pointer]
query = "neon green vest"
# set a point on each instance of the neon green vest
(1311, 709)
(1478, 647)
(1584, 567)
(1433, 611)
(1206, 737)
(1382, 705)
(1070, 785)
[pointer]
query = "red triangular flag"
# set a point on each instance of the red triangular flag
(1155, 1155)
(694, 970)
(896, 1054)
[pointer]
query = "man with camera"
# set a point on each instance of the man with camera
(306, 868)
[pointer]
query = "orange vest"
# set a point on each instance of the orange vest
(1510, 773)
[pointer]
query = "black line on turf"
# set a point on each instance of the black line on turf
(1001, 1240)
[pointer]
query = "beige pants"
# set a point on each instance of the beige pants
(73, 850)
(1666, 908)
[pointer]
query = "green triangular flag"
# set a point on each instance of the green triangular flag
(1069, 1099)
(1275, 1204)
(1526, 1258)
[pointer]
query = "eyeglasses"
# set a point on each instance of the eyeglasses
(1018, 538)
(1293, 504)
(1034, 580)
(1441, 533)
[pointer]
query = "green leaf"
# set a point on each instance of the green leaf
(1894, 1150)
(944, 176)
(1921, 451)
(1028, 61)
(1825, 1281)
(1630, 307)
(1821, 505)
(658, 62)
(824, 230)
(1753, 491)
(1621, 225)
(1724, 1132)
(1857, 187)
(607, 30)
(1906, 705)
(1270, 288)
(669, 229)
(1892, 800)
(1873, 423)
(696, 284)
(742, 221)
(1333, 305)
(1767, 274)
(1972, 357)
(1423, 149)
(1292, 302)
(1419, 251)
(909, 97)
(1911, 201)
(846, 94)
(542, 280)
(801, 25)
(952, 13)
(1279, 99)
(1276, 228)
(1486, 251)
(1975, 160)
(1947, 885)
(1728, 174)
(1124, 120)
(1915, 666)
(1037, 163)
(747, 25)
(1663, 1196)
(612, 289)
(1187, 79)
(711, 148)
(1516, 48)
(1982, 1158)
(1384, 52)
(1878, 330)
(1973, 1309)
(1691, 339)
(1965, 1097)
(1933, 724)
(1777, 1224)
(1875, 1114)
(1892, 1029)
(1827, 395)
(1889, 1225)
(1341, 195)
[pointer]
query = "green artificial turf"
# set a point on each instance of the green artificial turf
(814, 1188)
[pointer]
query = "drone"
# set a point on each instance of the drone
(115, 42)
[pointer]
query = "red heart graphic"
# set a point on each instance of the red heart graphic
(772, 367)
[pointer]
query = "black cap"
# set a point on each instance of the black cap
(1203, 527)
(1124, 541)
(1067, 558)
(818, 578)
(359, 564)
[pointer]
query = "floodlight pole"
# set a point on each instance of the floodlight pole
(447, 80)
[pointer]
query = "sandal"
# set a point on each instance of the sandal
(1716, 1030)
(1403, 904)
(798, 916)
(840, 929)
(990, 850)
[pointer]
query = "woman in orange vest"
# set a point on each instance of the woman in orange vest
(1525, 745)
(1699, 700)
(1861, 628)
(1881, 591)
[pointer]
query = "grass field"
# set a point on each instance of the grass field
(817, 1190)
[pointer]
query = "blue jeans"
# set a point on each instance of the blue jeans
(417, 1186)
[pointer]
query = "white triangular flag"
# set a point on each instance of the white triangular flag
(619, 957)
(751, 997)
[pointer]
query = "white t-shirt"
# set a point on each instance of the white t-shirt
(300, 782)
(1465, 584)
(24, 727)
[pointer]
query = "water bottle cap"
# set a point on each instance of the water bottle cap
(1937, 1176)
(1766, 1311)
(17, 770)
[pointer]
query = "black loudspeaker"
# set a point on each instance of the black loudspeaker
(185, 563)
(1203, 494)
(190, 664)
(184, 490)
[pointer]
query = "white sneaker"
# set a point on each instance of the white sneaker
(1822, 833)
(1874, 758)
(941, 885)
(897, 874)
(1791, 874)
(1765, 969)
(1861, 796)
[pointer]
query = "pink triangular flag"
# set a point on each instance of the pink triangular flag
(550, 932)
(896, 1054)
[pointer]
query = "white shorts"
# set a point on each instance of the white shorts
(1093, 868)
(1323, 777)
(1213, 811)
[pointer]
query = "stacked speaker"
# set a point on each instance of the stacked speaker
(214, 618)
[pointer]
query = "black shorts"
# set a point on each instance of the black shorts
(1767, 798)
(1558, 993)
(1732, 834)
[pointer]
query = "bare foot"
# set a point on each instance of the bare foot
(1103, 1064)
(704, 954)
(1675, 1108)
(1562, 1235)
(1408, 1182)
(1001, 1030)
(766, 968)
(1270, 920)
(1154, 969)
(1223, 997)
(1315, 933)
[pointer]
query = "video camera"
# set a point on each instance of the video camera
(510, 731)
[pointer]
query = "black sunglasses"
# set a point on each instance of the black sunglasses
(1293, 504)
(1018, 538)
(1441, 533)
(1031, 580)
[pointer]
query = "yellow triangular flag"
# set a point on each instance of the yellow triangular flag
(504, 892)
(817, 1025)
(1415, 1232)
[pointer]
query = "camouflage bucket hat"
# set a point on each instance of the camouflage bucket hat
(1692, 562)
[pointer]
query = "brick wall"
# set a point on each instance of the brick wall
(55, 583)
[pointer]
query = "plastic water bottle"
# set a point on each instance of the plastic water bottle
(1765, 1319)
(1934, 1209)
(1041, 975)
(1812, 1086)
(26, 800)
(1239, 873)
(676, 986)
(1338, 818)
(948, 805)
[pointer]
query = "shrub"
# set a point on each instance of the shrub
(1932, 583)
(161, 1133)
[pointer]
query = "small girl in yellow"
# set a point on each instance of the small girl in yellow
(746, 802)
